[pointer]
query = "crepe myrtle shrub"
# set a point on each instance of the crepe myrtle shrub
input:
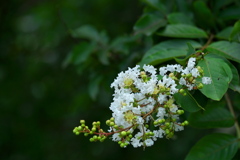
(149, 100)
(144, 97)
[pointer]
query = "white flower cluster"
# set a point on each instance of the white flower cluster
(142, 97)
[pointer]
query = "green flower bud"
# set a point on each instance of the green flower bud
(122, 145)
(167, 131)
(115, 126)
(151, 134)
(167, 124)
(94, 123)
(123, 133)
(95, 137)
(190, 79)
(98, 123)
(108, 122)
(200, 86)
(188, 75)
(181, 91)
(82, 121)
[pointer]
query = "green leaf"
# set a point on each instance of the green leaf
(86, 31)
(156, 4)
(203, 13)
(80, 53)
(190, 51)
(236, 30)
(230, 13)
(220, 73)
(93, 87)
(225, 33)
(188, 102)
(183, 6)
(221, 3)
(229, 50)
(182, 31)
(234, 84)
(179, 18)
(217, 146)
(167, 50)
(214, 116)
(122, 43)
(148, 24)
(103, 57)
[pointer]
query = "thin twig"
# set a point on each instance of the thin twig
(229, 103)
(208, 42)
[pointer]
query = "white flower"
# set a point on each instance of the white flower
(178, 127)
(173, 108)
(115, 137)
(161, 113)
(182, 81)
(191, 62)
(135, 141)
(162, 98)
(149, 142)
(206, 80)
(158, 134)
(195, 72)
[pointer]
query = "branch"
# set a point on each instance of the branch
(229, 103)
(208, 42)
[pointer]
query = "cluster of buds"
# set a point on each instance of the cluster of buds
(143, 107)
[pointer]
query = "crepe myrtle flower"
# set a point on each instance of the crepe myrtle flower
(141, 99)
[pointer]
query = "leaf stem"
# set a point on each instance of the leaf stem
(229, 103)
(208, 42)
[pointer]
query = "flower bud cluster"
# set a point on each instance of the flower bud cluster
(143, 107)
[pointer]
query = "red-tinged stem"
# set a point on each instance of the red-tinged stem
(208, 42)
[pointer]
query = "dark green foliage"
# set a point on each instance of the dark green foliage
(58, 59)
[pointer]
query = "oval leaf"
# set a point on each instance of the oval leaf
(167, 50)
(148, 24)
(236, 29)
(86, 31)
(220, 73)
(229, 50)
(214, 116)
(217, 146)
(179, 18)
(201, 11)
(225, 33)
(187, 102)
(234, 84)
(182, 31)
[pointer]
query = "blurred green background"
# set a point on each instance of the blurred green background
(43, 96)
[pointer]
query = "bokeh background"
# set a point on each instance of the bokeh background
(44, 92)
